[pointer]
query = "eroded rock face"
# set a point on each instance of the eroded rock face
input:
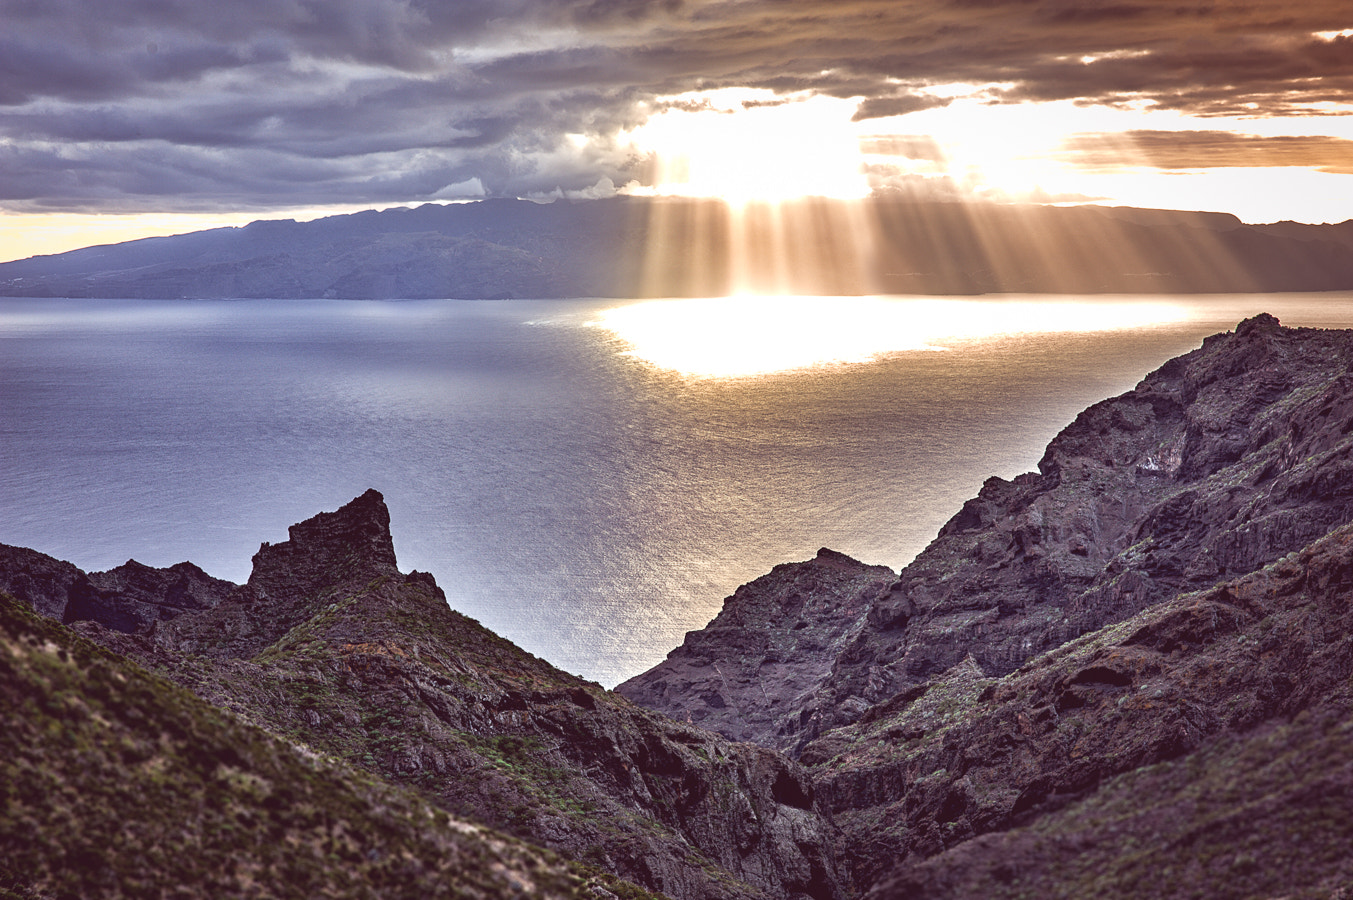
(1216, 464)
(748, 674)
(133, 595)
(1238, 696)
(323, 557)
(330, 645)
(351, 543)
(38, 580)
(127, 598)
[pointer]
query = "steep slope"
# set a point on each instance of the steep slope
(331, 646)
(116, 783)
(1215, 465)
(1260, 815)
(768, 652)
(1207, 736)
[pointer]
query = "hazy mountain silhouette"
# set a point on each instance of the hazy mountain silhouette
(635, 247)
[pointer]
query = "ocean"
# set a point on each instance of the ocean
(588, 478)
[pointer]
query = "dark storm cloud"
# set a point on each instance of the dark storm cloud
(195, 103)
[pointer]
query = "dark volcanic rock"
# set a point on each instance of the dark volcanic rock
(749, 672)
(133, 595)
(1230, 707)
(331, 646)
(350, 544)
(293, 580)
(38, 580)
(127, 598)
(1216, 464)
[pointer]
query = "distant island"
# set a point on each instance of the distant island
(665, 247)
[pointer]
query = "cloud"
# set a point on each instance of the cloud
(908, 146)
(258, 103)
(900, 105)
(1210, 150)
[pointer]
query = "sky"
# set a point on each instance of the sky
(136, 117)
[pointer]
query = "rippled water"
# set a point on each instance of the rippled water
(565, 490)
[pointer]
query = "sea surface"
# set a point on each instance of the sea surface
(589, 478)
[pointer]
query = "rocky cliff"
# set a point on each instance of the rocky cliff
(750, 673)
(330, 646)
(1127, 674)
(1216, 464)
(1164, 600)
(1200, 748)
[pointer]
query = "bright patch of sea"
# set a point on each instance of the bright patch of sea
(566, 483)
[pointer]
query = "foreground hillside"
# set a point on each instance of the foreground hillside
(116, 783)
(1128, 674)
(330, 646)
(637, 247)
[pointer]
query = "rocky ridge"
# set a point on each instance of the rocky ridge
(331, 647)
(769, 650)
(1126, 674)
(1215, 465)
(1165, 598)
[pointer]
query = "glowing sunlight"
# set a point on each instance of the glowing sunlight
(747, 145)
(745, 336)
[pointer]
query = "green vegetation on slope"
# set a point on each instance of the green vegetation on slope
(114, 782)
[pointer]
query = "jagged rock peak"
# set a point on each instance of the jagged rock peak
(1258, 323)
(328, 548)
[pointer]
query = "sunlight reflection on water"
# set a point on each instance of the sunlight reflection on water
(745, 336)
(582, 502)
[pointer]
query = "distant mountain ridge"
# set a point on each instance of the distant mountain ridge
(641, 247)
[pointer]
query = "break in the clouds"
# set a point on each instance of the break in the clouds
(202, 105)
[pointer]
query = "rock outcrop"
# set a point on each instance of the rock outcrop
(328, 644)
(42, 582)
(126, 598)
(749, 673)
